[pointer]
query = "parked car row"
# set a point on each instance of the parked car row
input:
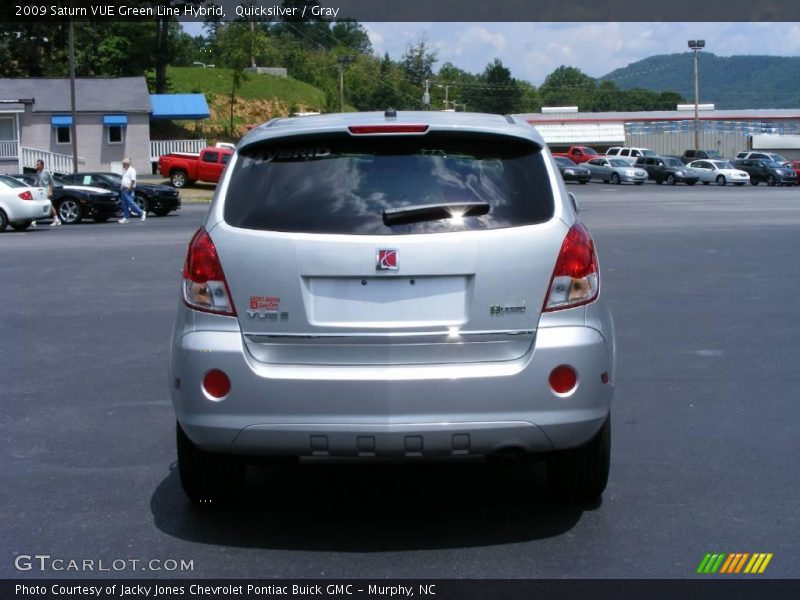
(76, 197)
(637, 165)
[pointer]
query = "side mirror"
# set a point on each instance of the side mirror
(574, 202)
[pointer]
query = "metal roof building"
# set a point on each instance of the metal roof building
(672, 131)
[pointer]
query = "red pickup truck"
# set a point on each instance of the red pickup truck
(185, 169)
(579, 154)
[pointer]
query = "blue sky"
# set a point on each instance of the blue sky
(532, 50)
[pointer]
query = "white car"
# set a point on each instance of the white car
(20, 204)
(719, 172)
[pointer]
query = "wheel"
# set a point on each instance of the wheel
(582, 473)
(101, 218)
(615, 179)
(3, 220)
(721, 180)
(69, 211)
(771, 180)
(161, 212)
(207, 477)
(178, 179)
(670, 179)
(140, 202)
(21, 225)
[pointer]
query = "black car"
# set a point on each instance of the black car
(572, 172)
(769, 171)
(158, 199)
(665, 169)
(75, 202)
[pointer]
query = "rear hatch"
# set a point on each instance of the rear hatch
(384, 250)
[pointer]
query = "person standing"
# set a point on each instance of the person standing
(127, 190)
(44, 179)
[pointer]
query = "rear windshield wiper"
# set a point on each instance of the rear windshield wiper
(434, 212)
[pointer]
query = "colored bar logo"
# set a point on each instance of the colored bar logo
(734, 563)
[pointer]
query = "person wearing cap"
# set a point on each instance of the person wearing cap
(126, 192)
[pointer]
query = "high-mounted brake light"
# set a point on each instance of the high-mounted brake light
(204, 285)
(367, 129)
(26, 195)
(576, 278)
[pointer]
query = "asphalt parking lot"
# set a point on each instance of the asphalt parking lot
(703, 283)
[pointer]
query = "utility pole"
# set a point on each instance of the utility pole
(696, 45)
(446, 87)
(426, 95)
(342, 60)
(71, 41)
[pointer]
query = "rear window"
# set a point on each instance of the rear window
(343, 184)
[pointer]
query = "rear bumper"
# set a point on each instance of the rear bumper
(29, 210)
(392, 411)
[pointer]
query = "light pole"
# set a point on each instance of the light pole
(695, 46)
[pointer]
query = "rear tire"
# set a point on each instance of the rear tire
(582, 473)
(141, 203)
(3, 220)
(207, 477)
(21, 225)
(179, 179)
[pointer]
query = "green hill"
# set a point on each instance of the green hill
(732, 82)
(258, 99)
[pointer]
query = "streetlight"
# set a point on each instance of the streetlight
(695, 46)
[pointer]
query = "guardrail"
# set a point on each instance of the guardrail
(160, 147)
(8, 149)
(53, 162)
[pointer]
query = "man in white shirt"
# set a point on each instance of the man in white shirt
(126, 192)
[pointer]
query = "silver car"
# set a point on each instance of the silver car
(405, 285)
(615, 170)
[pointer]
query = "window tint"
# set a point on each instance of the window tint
(226, 158)
(211, 157)
(343, 184)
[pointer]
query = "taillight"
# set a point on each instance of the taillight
(26, 195)
(204, 285)
(576, 279)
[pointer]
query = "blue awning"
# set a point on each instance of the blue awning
(60, 121)
(115, 120)
(179, 106)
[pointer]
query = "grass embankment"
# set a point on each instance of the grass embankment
(258, 99)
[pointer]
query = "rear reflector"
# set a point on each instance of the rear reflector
(26, 195)
(563, 379)
(575, 278)
(216, 383)
(204, 285)
(367, 129)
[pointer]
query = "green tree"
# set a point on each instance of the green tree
(567, 86)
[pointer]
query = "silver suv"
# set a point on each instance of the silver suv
(406, 285)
